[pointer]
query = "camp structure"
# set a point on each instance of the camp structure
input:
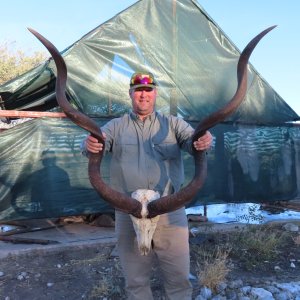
(255, 153)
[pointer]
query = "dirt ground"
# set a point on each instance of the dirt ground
(95, 273)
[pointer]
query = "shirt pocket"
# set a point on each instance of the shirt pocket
(126, 149)
(167, 148)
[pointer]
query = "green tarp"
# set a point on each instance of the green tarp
(43, 173)
(191, 57)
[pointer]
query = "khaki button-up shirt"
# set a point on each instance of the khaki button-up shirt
(147, 154)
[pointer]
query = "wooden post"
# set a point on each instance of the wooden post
(2, 107)
(31, 114)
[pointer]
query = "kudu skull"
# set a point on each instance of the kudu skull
(144, 227)
(166, 203)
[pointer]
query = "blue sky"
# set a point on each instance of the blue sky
(65, 21)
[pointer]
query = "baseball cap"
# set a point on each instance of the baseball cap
(142, 79)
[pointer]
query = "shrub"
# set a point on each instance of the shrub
(213, 269)
(15, 62)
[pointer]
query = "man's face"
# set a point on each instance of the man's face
(143, 100)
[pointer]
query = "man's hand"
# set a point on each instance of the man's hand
(204, 142)
(92, 145)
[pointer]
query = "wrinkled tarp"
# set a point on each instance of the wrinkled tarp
(44, 174)
(192, 58)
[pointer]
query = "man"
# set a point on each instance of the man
(145, 147)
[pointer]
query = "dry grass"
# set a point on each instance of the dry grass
(252, 246)
(108, 285)
(103, 289)
(98, 259)
(213, 267)
(258, 244)
(297, 240)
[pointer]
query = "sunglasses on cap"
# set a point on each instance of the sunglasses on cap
(142, 80)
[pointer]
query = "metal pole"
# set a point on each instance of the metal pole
(173, 100)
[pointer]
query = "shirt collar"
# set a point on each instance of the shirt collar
(137, 118)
